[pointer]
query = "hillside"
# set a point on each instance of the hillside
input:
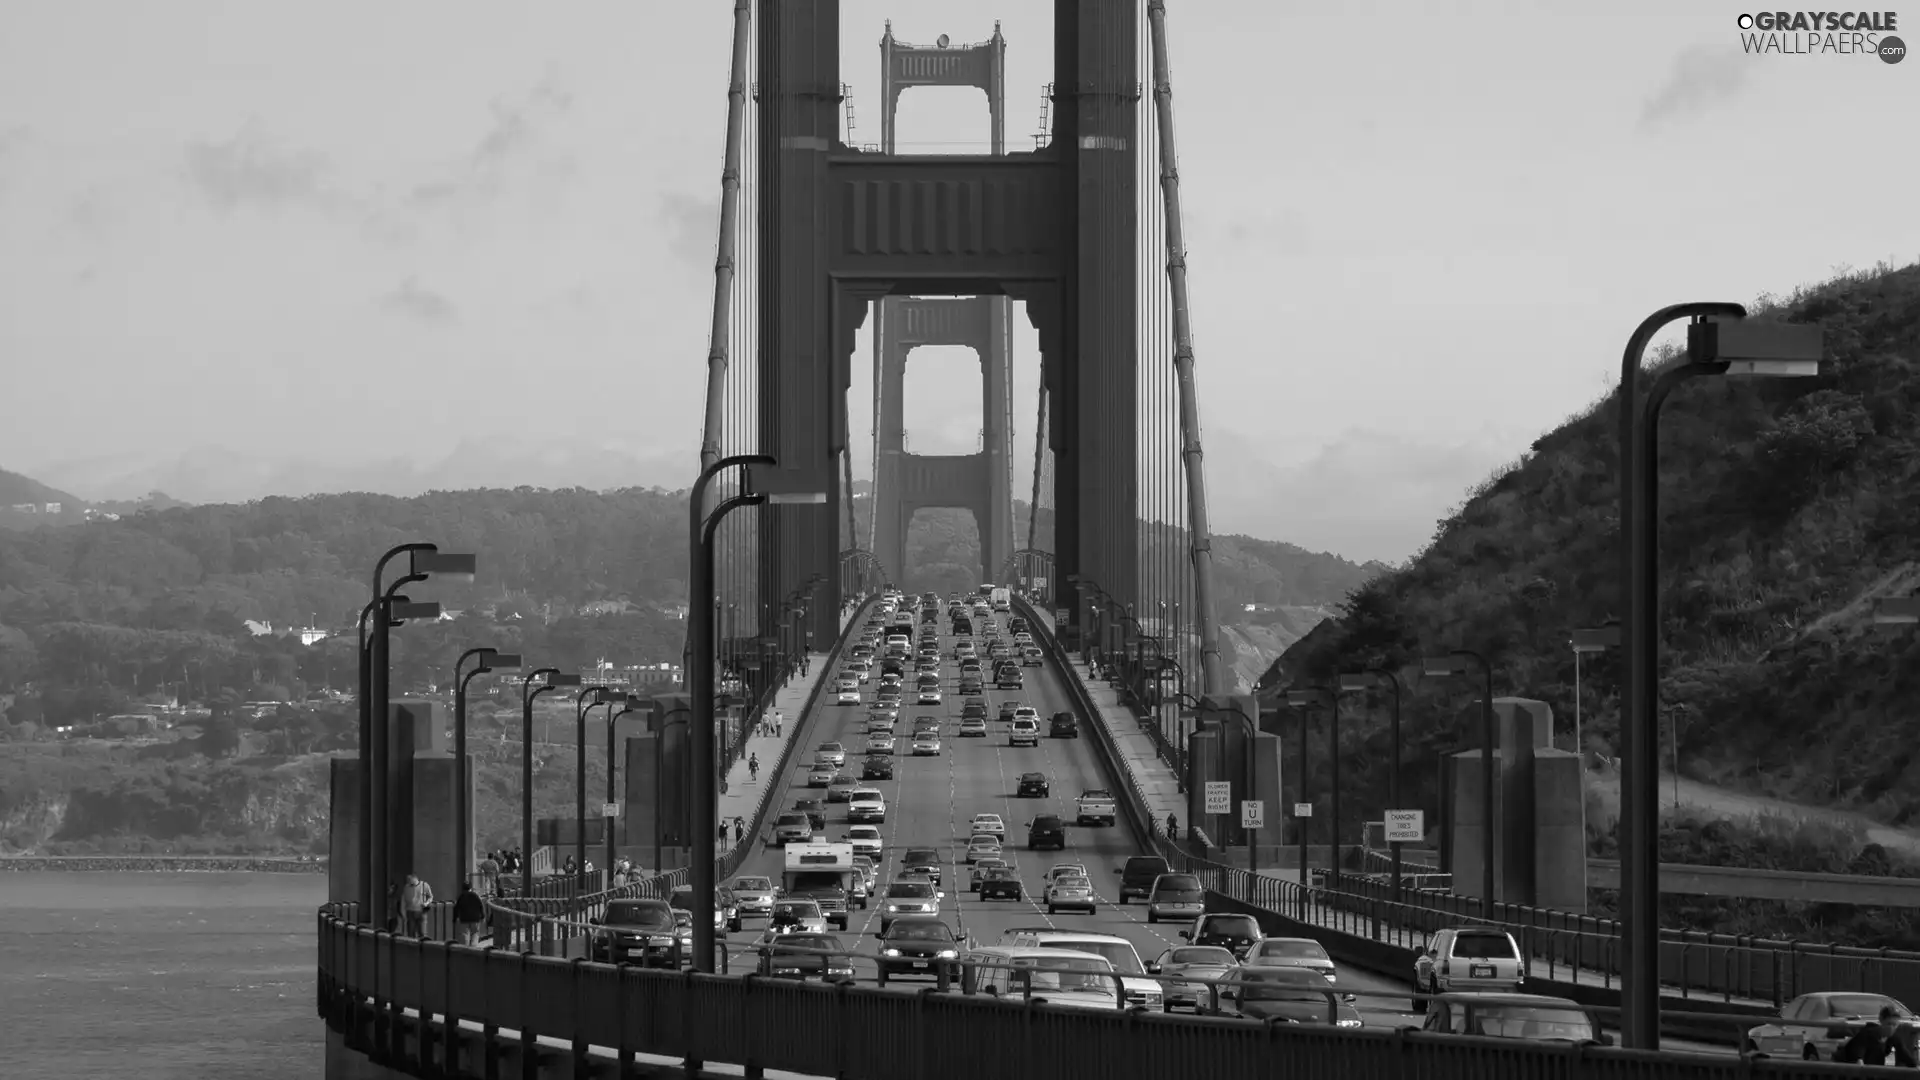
(31, 498)
(15, 488)
(1787, 505)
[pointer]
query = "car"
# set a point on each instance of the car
(1476, 958)
(989, 824)
(963, 650)
(930, 695)
(1182, 969)
(1138, 875)
(866, 806)
(1537, 1018)
(1286, 994)
(1021, 637)
(1027, 712)
(970, 684)
(979, 869)
(1140, 989)
(841, 788)
(1033, 785)
(792, 828)
(877, 768)
(1176, 896)
(815, 809)
(641, 932)
(726, 913)
(1063, 726)
(1812, 1026)
(1047, 831)
(1096, 806)
(882, 723)
(1031, 656)
(906, 897)
(924, 859)
(865, 839)
(1006, 711)
(1233, 932)
(982, 846)
(830, 753)
(847, 695)
(1065, 869)
(880, 744)
(1009, 678)
(889, 696)
(926, 745)
(915, 945)
(856, 675)
(1067, 891)
(752, 895)
(796, 916)
(974, 707)
(821, 775)
(1294, 952)
(1023, 732)
(1000, 883)
(973, 728)
(890, 680)
(806, 956)
(880, 710)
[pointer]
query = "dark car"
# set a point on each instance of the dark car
(972, 685)
(1295, 994)
(1137, 878)
(1235, 932)
(1001, 883)
(639, 932)
(877, 767)
(726, 911)
(974, 707)
(1033, 785)
(915, 945)
(1063, 726)
(806, 956)
(816, 812)
(1006, 711)
(893, 665)
(922, 859)
(1047, 831)
(1017, 625)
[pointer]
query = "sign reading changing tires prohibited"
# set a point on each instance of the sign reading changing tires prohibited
(1406, 826)
(1253, 814)
(1219, 797)
(609, 809)
(1303, 809)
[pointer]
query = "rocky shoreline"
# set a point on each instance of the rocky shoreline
(256, 864)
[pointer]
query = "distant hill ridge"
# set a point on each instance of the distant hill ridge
(15, 489)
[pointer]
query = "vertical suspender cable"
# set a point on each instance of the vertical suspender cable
(1199, 535)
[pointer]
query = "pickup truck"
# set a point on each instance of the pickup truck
(1095, 808)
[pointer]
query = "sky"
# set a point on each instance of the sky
(259, 246)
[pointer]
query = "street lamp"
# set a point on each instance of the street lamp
(628, 703)
(1720, 341)
(1364, 680)
(1598, 639)
(665, 708)
(1462, 662)
(529, 693)
(1308, 697)
(583, 704)
(487, 660)
(1896, 610)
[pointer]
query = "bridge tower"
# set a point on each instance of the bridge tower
(982, 482)
(1056, 228)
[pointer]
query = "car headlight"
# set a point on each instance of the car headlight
(786, 971)
(889, 952)
(947, 954)
(1348, 1022)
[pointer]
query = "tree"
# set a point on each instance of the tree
(220, 734)
(18, 658)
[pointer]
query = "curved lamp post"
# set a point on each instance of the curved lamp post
(1308, 697)
(487, 660)
(1720, 341)
(583, 704)
(529, 693)
(1467, 662)
(1364, 680)
(628, 703)
(1595, 640)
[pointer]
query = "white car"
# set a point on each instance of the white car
(1066, 869)
(909, 898)
(847, 695)
(983, 846)
(990, 824)
(1027, 712)
(753, 895)
(926, 744)
(930, 695)
(864, 838)
(821, 775)
(866, 806)
(973, 727)
(1023, 732)
(880, 744)
(1070, 892)
(830, 753)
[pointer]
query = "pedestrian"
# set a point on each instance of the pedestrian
(469, 912)
(415, 898)
(739, 831)
(1903, 1039)
(722, 838)
(753, 768)
(1173, 827)
(1868, 1046)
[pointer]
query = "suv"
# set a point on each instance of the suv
(1023, 732)
(1139, 874)
(1176, 896)
(1063, 726)
(1033, 785)
(1476, 958)
(1048, 830)
(1238, 933)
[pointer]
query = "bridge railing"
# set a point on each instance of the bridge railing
(397, 999)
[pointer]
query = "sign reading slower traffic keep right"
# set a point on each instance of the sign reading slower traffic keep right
(1219, 796)
(1406, 826)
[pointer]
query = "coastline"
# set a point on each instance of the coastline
(226, 864)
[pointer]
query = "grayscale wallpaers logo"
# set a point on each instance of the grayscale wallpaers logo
(1822, 33)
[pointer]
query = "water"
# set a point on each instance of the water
(157, 976)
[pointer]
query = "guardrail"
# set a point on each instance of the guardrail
(408, 1005)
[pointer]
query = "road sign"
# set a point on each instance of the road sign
(1303, 809)
(1219, 797)
(1253, 813)
(1406, 826)
(610, 809)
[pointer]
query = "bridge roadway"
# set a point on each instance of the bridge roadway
(931, 800)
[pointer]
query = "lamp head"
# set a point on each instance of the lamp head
(1598, 639)
(445, 566)
(1896, 611)
(1755, 349)
(563, 678)
(498, 661)
(409, 611)
(1356, 680)
(1303, 698)
(1441, 666)
(796, 498)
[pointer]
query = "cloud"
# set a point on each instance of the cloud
(251, 169)
(415, 301)
(517, 132)
(691, 225)
(1701, 78)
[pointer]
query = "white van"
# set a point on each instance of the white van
(1080, 980)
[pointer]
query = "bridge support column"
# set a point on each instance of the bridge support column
(1540, 814)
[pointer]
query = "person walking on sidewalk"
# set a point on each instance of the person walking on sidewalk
(416, 896)
(1173, 827)
(468, 913)
(753, 768)
(739, 831)
(722, 836)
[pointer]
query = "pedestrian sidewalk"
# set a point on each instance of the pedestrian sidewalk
(745, 796)
(1153, 778)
